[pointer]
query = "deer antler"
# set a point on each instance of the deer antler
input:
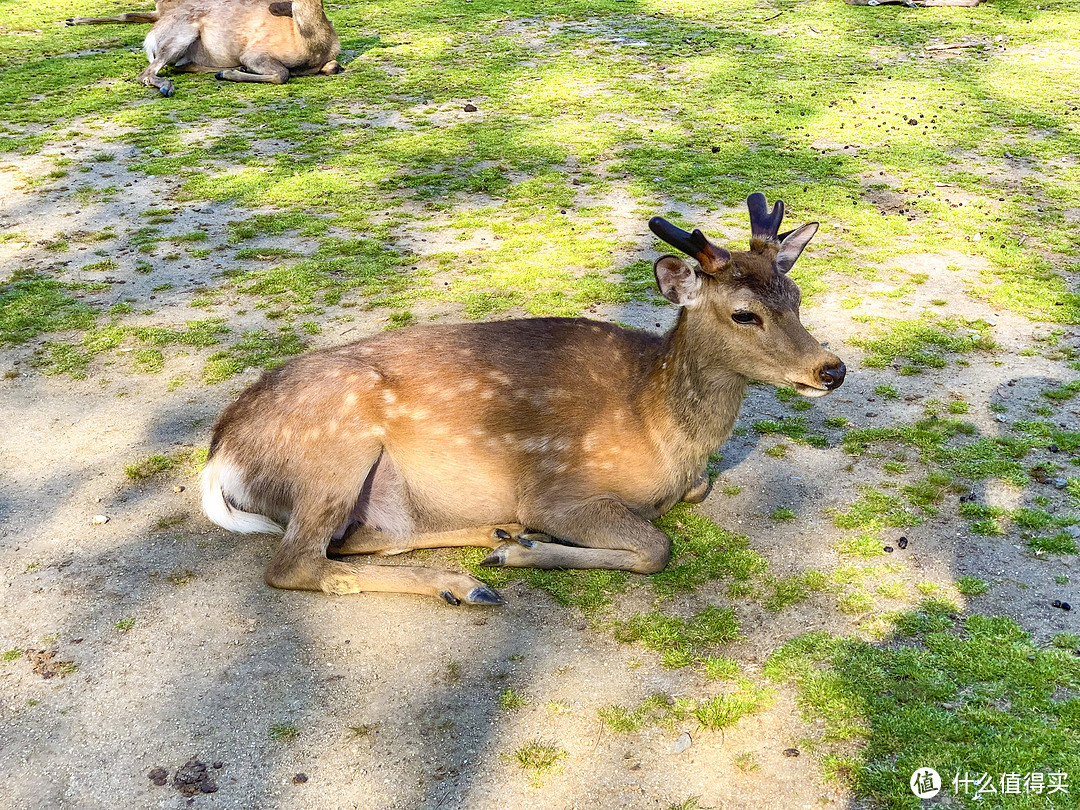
(764, 224)
(712, 258)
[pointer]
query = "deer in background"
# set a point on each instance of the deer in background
(551, 441)
(239, 40)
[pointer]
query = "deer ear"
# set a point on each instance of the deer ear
(678, 281)
(792, 246)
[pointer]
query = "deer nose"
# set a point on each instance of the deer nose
(832, 376)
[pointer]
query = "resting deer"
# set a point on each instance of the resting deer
(552, 441)
(239, 40)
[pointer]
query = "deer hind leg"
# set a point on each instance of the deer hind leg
(165, 46)
(365, 540)
(259, 68)
(300, 562)
(602, 533)
(132, 17)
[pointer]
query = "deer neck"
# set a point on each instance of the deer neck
(311, 20)
(701, 395)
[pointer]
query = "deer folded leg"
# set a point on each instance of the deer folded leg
(300, 563)
(334, 577)
(604, 534)
(165, 47)
(700, 489)
(365, 540)
(264, 69)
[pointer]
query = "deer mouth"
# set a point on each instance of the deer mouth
(810, 390)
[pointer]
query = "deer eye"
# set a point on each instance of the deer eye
(745, 317)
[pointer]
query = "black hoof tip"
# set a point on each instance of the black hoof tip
(502, 534)
(450, 598)
(483, 595)
(220, 74)
(69, 21)
(495, 559)
(166, 91)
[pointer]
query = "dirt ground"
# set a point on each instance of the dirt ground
(247, 697)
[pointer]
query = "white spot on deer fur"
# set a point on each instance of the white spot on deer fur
(350, 400)
(389, 397)
(420, 413)
(378, 430)
(499, 377)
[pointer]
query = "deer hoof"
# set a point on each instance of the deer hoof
(501, 534)
(69, 21)
(450, 598)
(220, 74)
(495, 559)
(483, 595)
(529, 539)
(167, 89)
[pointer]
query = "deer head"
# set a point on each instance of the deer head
(741, 306)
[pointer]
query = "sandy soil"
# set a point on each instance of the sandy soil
(394, 699)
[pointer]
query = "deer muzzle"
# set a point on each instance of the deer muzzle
(828, 377)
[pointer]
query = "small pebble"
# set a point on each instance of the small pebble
(218, 765)
(682, 743)
(1053, 448)
(159, 776)
(469, 108)
(99, 520)
(299, 779)
(888, 549)
(1059, 483)
(902, 542)
(178, 489)
(791, 752)
(1059, 604)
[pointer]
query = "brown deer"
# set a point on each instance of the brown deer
(239, 40)
(552, 441)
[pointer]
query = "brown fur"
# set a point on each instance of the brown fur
(239, 40)
(579, 430)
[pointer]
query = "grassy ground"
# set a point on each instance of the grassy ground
(274, 219)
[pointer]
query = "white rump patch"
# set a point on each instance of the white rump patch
(220, 477)
(150, 44)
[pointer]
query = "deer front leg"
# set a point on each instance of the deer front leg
(603, 533)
